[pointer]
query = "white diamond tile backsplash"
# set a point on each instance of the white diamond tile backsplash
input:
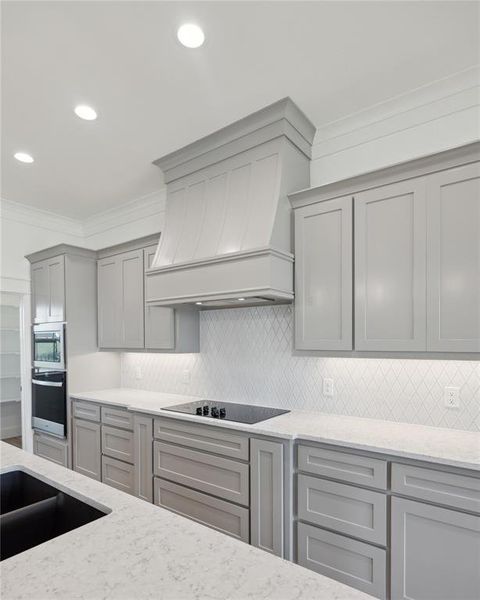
(246, 356)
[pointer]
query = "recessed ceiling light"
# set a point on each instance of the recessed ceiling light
(23, 157)
(85, 112)
(190, 35)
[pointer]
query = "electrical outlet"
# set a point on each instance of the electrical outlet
(186, 377)
(138, 373)
(327, 386)
(451, 397)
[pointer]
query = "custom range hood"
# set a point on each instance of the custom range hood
(227, 239)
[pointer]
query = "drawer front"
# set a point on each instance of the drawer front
(51, 449)
(343, 466)
(117, 443)
(117, 474)
(450, 489)
(218, 514)
(202, 437)
(343, 508)
(86, 410)
(351, 562)
(206, 473)
(117, 417)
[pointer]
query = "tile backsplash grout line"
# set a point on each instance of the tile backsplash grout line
(246, 356)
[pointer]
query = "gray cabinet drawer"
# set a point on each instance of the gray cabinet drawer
(86, 410)
(117, 474)
(457, 491)
(343, 508)
(218, 514)
(117, 443)
(341, 465)
(351, 562)
(221, 477)
(117, 417)
(202, 437)
(50, 448)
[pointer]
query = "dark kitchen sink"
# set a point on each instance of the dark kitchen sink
(33, 512)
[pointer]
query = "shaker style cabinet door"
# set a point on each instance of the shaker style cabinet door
(120, 301)
(435, 552)
(159, 320)
(109, 303)
(323, 276)
(87, 448)
(131, 267)
(453, 289)
(390, 267)
(48, 290)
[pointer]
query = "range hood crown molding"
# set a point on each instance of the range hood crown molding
(228, 230)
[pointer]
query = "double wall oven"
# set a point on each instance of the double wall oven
(49, 390)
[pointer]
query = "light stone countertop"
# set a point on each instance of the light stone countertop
(142, 551)
(449, 447)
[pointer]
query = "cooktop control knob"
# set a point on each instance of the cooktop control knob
(215, 412)
(223, 412)
(205, 411)
(198, 411)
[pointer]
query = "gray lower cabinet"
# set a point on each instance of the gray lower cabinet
(354, 563)
(143, 457)
(118, 474)
(267, 495)
(222, 477)
(218, 514)
(117, 417)
(344, 508)
(87, 448)
(117, 443)
(323, 275)
(435, 552)
(51, 448)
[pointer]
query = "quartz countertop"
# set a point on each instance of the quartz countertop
(451, 447)
(142, 551)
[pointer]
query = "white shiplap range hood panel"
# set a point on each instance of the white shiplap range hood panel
(227, 239)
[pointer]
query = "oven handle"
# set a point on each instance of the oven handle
(48, 383)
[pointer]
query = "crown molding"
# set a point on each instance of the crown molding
(36, 217)
(454, 94)
(140, 208)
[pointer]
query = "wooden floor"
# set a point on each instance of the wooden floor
(14, 441)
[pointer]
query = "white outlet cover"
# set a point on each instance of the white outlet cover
(327, 386)
(451, 397)
(186, 377)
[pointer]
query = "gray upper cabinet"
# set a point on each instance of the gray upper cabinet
(48, 290)
(159, 320)
(453, 290)
(435, 552)
(390, 267)
(323, 275)
(120, 301)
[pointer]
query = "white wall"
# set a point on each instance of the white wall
(435, 117)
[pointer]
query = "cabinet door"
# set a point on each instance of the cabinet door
(323, 276)
(48, 290)
(159, 320)
(87, 448)
(131, 268)
(453, 297)
(435, 552)
(56, 288)
(53, 449)
(390, 267)
(40, 294)
(143, 457)
(109, 303)
(266, 498)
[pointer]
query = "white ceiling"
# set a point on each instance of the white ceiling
(153, 95)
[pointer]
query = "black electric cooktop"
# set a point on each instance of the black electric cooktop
(228, 411)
